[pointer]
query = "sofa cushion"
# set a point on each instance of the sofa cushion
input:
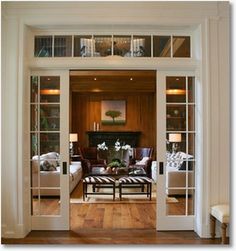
(135, 180)
(221, 212)
(99, 179)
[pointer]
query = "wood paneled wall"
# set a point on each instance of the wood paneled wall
(140, 115)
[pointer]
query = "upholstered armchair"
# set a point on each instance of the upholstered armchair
(142, 157)
(90, 159)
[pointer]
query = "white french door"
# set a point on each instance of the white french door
(49, 155)
(176, 160)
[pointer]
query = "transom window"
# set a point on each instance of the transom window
(113, 45)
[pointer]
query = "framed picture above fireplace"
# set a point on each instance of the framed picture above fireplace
(113, 112)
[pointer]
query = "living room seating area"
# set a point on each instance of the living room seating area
(91, 157)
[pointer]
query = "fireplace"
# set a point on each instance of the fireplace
(127, 137)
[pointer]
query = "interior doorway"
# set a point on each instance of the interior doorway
(89, 90)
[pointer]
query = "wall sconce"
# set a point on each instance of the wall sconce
(175, 138)
(73, 138)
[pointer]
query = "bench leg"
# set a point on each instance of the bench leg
(114, 191)
(84, 191)
(120, 191)
(223, 232)
(213, 227)
(150, 190)
(142, 188)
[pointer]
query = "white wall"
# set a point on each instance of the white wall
(213, 23)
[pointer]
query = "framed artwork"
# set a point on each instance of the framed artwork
(113, 112)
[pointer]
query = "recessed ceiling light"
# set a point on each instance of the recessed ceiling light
(131, 79)
(95, 79)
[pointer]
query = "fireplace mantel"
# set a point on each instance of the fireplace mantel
(110, 137)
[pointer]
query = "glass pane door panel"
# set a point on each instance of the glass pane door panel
(49, 142)
(62, 46)
(176, 89)
(35, 210)
(34, 89)
(176, 117)
(49, 117)
(83, 46)
(161, 46)
(191, 90)
(191, 202)
(34, 144)
(191, 144)
(191, 174)
(142, 46)
(176, 202)
(191, 117)
(175, 142)
(122, 46)
(35, 170)
(45, 201)
(49, 203)
(49, 89)
(34, 118)
(181, 46)
(103, 45)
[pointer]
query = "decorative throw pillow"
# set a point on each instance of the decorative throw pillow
(176, 160)
(45, 165)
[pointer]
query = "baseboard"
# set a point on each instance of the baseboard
(19, 232)
(206, 231)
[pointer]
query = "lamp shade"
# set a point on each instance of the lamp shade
(73, 137)
(175, 137)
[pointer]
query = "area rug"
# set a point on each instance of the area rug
(77, 196)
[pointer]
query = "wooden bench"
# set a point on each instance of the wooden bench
(133, 181)
(98, 180)
(220, 213)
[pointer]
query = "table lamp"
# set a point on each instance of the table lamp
(73, 138)
(175, 138)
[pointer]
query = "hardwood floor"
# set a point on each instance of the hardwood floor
(113, 223)
(113, 216)
(117, 236)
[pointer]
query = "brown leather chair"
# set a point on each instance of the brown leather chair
(138, 154)
(90, 159)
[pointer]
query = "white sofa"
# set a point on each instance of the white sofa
(177, 178)
(51, 178)
(174, 176)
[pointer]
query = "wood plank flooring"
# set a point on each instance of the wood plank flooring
(113, 216)
(117, 236)
(113, 223)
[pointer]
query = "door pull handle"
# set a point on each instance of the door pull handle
(64, 167)
(161, 168)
